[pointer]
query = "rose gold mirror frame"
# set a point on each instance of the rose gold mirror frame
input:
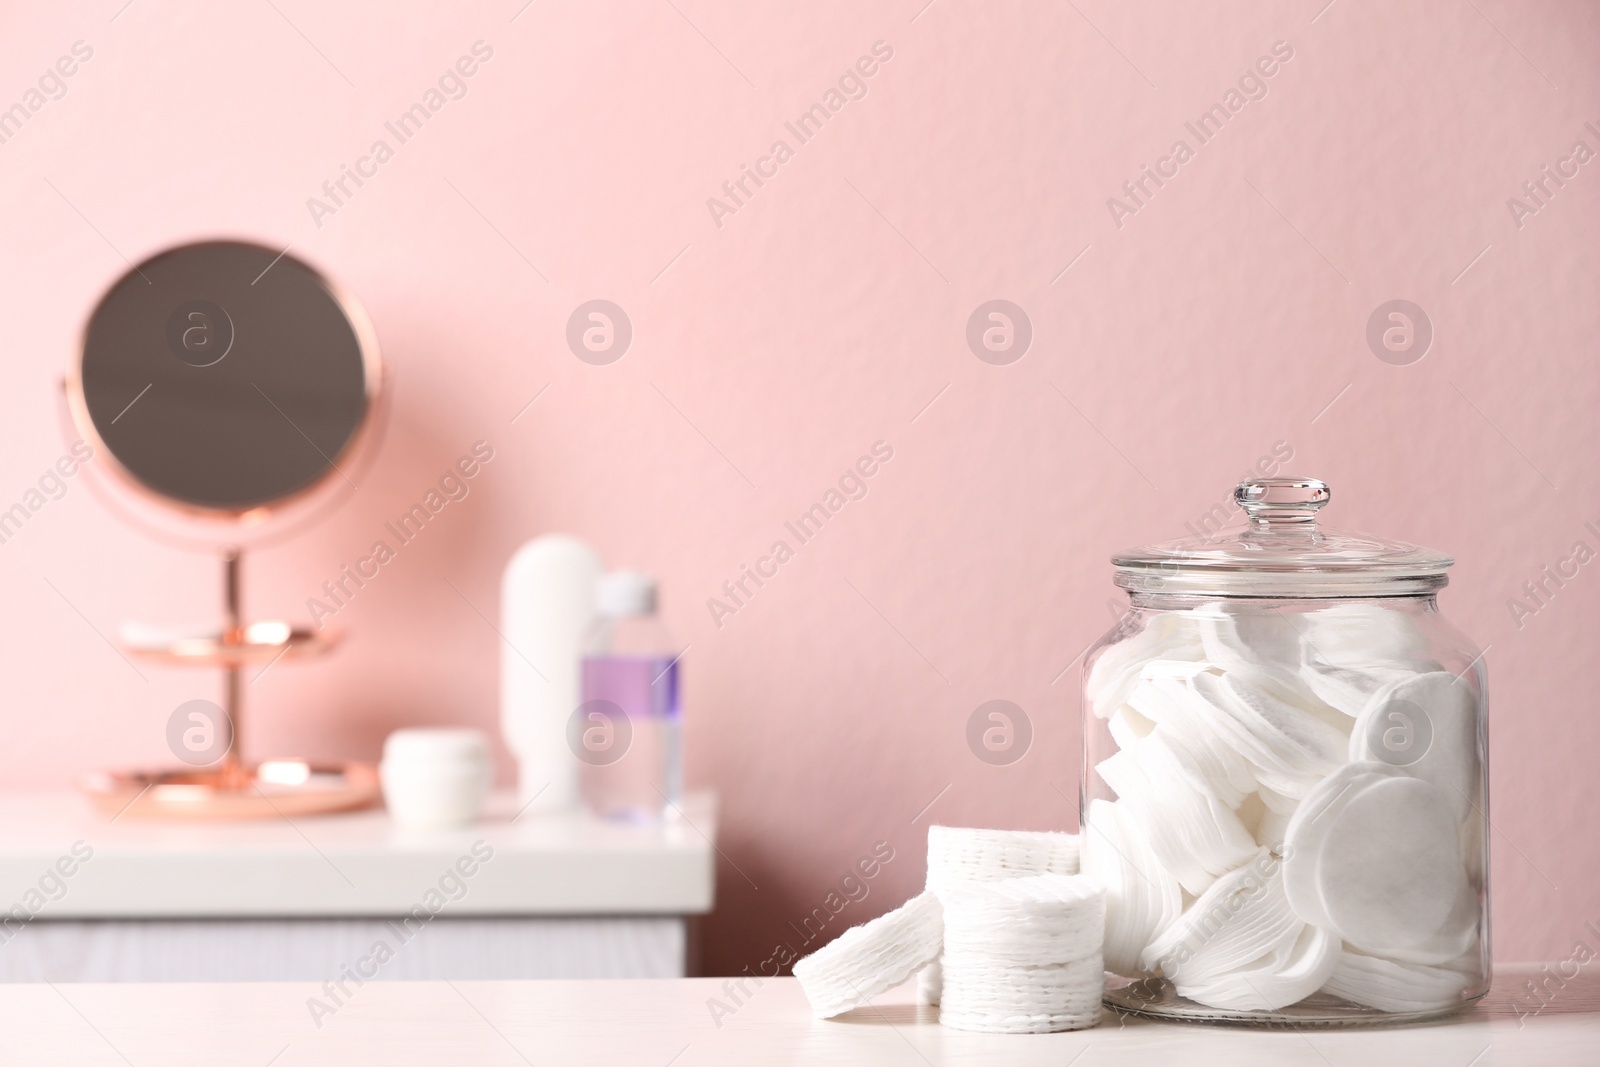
(233, 788)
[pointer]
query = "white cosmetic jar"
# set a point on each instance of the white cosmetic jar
(435, 777)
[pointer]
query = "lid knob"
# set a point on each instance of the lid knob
(1280, 502)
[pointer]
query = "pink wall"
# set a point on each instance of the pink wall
(824, 315)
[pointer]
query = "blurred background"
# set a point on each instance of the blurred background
(1169, 335)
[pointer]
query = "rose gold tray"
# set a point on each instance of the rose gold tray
(257, 643)
(273, 789)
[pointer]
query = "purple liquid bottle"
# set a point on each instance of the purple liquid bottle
(626, 735)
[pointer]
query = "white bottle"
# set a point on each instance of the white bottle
(547, 600)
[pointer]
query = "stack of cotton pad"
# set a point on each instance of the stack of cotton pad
(1142, 899)
(868, 959)
(1241, 946)
(1022, 934)
(959, 855)
(1022, 956)
(1296, 809)
(1392, 985)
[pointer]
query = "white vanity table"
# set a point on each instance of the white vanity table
(536, 896)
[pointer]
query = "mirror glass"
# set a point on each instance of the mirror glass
(224, 376)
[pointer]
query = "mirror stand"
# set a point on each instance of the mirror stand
(225, 408)
(231, 787)
(232, 770)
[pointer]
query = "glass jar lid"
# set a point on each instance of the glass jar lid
(1281, 552)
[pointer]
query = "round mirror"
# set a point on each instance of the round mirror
(225, 378)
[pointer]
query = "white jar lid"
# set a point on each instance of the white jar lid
(433, 745)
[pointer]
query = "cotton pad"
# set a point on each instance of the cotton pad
(1114, 669)
(1390, 868)
(1289, 748)
(1128, 726)
(1192, 832)
(1238, 638)
(1273, 829)
(1166, 699)
(1277, 803)
(1039, 1001)
(1353, 650)
(1307, 831)
(1457, 941)
(868, 959)
(1361, 634)
(1397, 987)
(959, 854)
(930, 983)
(1426, 724)
(1023, 955)
(1243, 917)
(1349, 690)
(1142, 899)
(1280, 978)
(1375, 856)
(1038, 920)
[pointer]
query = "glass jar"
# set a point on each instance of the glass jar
(1285, 786)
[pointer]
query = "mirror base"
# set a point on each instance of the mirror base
(280, 788)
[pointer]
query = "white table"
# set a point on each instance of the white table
(530, 896)
(668, 1024)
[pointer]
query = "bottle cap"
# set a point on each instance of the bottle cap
(624, 593)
